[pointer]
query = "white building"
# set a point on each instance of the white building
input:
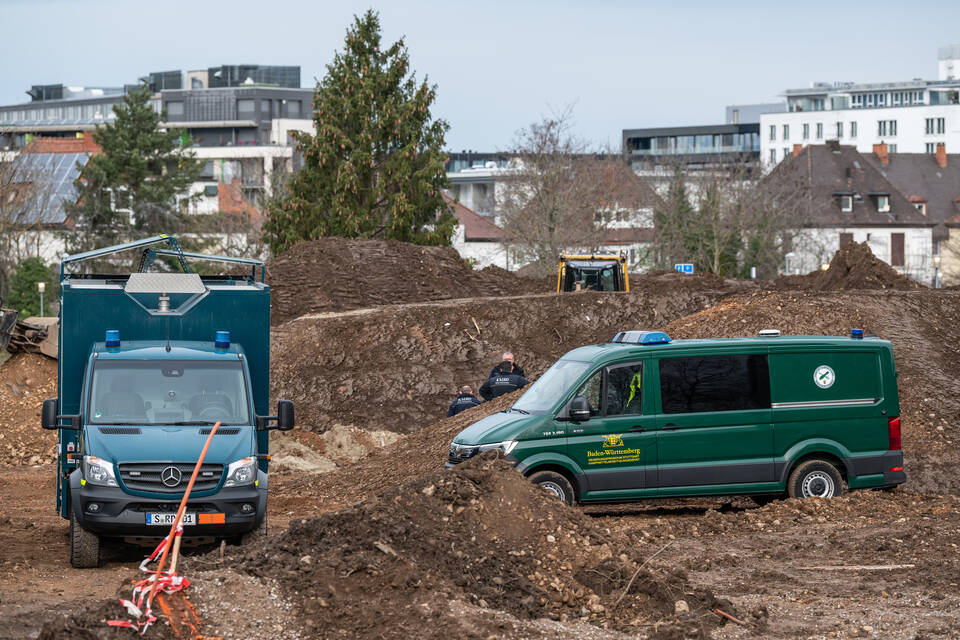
(909, 117)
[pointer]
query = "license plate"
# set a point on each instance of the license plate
(167, 519)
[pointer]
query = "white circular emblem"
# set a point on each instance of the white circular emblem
(824, 377)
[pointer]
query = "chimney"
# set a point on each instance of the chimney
(797, 148)
(880, 150)
(941, 154)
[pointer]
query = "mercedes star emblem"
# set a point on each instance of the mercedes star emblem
(171, 476)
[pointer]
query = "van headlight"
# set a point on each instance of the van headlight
(98, 471)
(242, 472)
(506, 446)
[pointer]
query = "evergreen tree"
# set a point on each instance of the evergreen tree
(374, 169)
(24, 295)
(131, 189)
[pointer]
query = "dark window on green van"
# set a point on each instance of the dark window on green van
(714, 383)
(623, 390)
(591, 390)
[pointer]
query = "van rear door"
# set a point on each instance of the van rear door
(713, 427)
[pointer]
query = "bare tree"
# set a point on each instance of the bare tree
(557, 194)
(26, 195)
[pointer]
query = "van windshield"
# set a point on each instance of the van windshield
(168, 392)
(544, 394)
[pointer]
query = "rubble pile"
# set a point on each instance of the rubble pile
(26, 380)
(853, 267)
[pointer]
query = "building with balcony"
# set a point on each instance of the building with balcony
(911, 116)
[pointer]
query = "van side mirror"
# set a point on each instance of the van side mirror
(579, 409)
(284, 418)
(49, 416)
(284, 415)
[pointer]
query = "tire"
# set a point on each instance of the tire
(816, 478)
(260, 533)
(555, 484)
(84, 546)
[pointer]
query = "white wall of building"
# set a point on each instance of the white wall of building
(911, 134)
(482, 254)
(815, 247)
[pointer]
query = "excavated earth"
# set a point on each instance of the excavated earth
(373, 539)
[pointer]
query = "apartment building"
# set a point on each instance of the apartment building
(237, 117)
(907, 116)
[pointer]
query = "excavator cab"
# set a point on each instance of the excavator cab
(594, 272)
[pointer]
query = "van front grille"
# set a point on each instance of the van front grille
(459, 453)
(168, 477)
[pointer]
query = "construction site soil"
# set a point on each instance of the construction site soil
(372, 539)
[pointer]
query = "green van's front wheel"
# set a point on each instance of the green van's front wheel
(555, 484)
(816, 479)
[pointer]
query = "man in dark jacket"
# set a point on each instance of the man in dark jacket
(507, 357)
(503, 382)
(464, 401)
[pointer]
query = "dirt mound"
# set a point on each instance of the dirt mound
(479, 536)
(921, 325)
(853, 267)
(26, 380)
(335, 274)
(398, 368)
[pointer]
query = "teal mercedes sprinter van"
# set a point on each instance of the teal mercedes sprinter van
(645, 416)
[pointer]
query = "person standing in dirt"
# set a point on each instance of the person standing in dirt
(505, 381)
(507, 357)
(464, 401)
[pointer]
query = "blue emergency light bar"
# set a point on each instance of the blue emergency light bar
(641, 337)
(113, 338)
(856, 334)
(222, 340)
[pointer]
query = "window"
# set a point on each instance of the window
(941, 125)
(786, 153)
(786, 132)
(591, 391)
(293, 108)
(714, 383)
(921, 207)
(853, 129)
(928, 127)
(773, 156)
(624, 385)
(819, 131)
(881, 127)
(896, 250)
(931, 147)
(549, 388)
(886, 127)
(773, 132)
(846, 203)
(892, 148)
(839, 130)
(806, 131)
(246, 108)
(883, 204)
(175, 109)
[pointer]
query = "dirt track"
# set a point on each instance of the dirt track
(874, 564)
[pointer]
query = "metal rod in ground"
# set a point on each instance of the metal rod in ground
(183, 507)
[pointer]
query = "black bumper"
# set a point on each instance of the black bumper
(121, 515)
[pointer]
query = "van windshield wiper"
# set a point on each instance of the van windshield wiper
(526, 413)
(190, 423)
(119, 424)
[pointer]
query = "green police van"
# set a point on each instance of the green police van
(645, 416)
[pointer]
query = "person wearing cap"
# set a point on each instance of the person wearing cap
(503, 382)
(464, 401)
(507, 357)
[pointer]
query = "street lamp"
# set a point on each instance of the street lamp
(936, 272)
(41, 286)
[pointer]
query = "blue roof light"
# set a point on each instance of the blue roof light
(641, 337)
(222, 340)
(856, 334)
(113, 338)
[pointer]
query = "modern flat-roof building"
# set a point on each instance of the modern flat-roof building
(238, 118)
(911, 116)
(695, 147)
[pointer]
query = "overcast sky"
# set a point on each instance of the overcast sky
(500, 65)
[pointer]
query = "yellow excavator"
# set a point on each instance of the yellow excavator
(597, 272)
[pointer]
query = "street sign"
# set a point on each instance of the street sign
(684, 268)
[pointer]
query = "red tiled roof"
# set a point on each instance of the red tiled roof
(84, 144)
(476, 228)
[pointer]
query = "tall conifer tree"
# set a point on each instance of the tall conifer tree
(374, 169)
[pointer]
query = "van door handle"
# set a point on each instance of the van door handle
(638, 430)
(669, 427)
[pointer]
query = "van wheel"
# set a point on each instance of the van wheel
(555, 484)
(816, 479)
(84, 546)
